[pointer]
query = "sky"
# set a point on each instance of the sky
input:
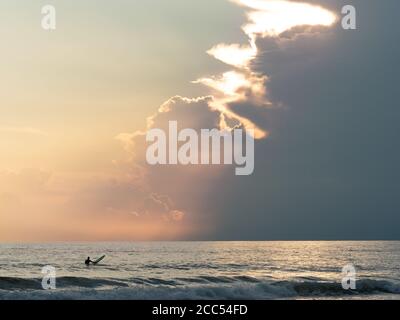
(75, 104)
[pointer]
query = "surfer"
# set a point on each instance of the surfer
(95, 262)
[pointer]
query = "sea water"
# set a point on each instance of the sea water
(201, 270)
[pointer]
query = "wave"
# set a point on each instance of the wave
(198, 288)
(14, 283)
(184, 266)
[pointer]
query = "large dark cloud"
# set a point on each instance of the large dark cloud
(330, 168)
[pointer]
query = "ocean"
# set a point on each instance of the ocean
(201, 270)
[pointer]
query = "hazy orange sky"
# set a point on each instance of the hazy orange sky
(75, 103)
(66, 95)
(72, 100)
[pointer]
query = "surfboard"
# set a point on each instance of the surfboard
(99, 259)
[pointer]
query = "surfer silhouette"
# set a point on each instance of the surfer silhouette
(95, 262)
(88, 261)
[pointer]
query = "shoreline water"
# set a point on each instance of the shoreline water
(201, 270)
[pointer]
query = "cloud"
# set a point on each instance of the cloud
(271, 18)
(321, 175)
(137, 201)
(233, 54)
(238, 98)
(117, 206)
(329, 155)
(244, 84)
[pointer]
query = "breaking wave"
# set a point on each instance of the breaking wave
(202, 288)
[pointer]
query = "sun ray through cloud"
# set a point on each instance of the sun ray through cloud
(266, 18)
